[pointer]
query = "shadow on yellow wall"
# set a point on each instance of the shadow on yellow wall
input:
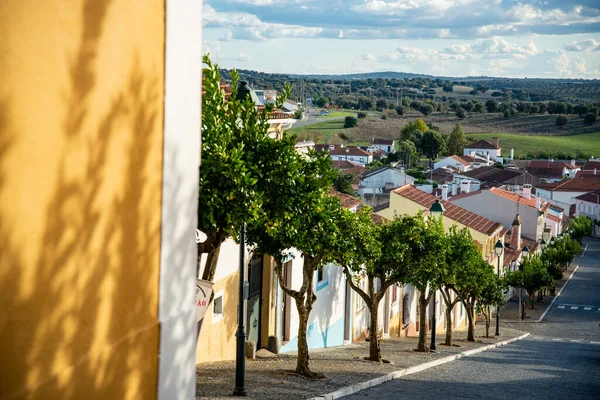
(79, 295)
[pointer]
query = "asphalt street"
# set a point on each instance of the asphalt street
(561, 358)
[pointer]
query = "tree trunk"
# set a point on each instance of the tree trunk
(471, 327)
(488, 320)
(448, 341)
(374, 343)
(422, 322)
(302, 360)
(530, 299)
(211, 263)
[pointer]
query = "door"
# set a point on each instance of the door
(254, 299)
(287, 300)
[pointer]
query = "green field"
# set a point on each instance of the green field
(586, 143)
(321, 132)
(334, 114)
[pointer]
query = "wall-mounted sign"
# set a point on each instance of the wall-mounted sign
(203, 292)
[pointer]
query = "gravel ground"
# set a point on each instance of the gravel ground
(343, 366)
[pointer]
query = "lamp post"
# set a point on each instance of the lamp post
(437, 211)
(244, 93)
(524, 253)
(498, 249)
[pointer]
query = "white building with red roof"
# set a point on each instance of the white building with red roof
(484, 148)
(351, 153)
(588, 204)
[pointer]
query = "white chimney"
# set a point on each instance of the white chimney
(527, 191)
(594, 171)
(538, 204)
(465, 186)
(454, 189)
(572, 163)
(488, 158)
(512, 154)
(444, 192)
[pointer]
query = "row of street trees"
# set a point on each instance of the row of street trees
(282, 198)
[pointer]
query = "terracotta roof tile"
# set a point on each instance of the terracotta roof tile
(343, 165)
(453, 212)
(592, 197)
(552, 164)
(572, 185)
(591, 165)
(460, 160)
(515, 198)
(350, 150)
(482, 144)
(588, 174)
(553, 218)
(388, 142)
(346, 200)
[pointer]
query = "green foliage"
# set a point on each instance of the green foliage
(589, 118)
(362, 115)
(408, 154)
(448, 88)
(580, 226)
(461, 255)
(298, 114)
(498, 164)
(408, 131)
(456, 141)
(350, 122)
(460, 112)
(238, 159)
(532, 275)
(426, 109)
(561, 120)
(400, 110)
(432, 144)
(343, 183)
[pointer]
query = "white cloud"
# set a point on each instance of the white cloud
(582, 45)
(574, 66)
(365, 57)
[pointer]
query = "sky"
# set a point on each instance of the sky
(504, 38)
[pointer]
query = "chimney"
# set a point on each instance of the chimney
(454, 189)
(496, 141)
(527, 191)
(594, 171)
(488, 158)
(515, 236)
(465, 186)
(538, 204)
(444, 192)
(347, 150)
(572, 163)
(512, 154)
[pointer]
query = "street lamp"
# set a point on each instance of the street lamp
(543, 244)
(437, 210)
(498, 249)
(524, 254)
(552, 242)
(244, 93)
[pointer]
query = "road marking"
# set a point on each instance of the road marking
(577, 340)
(587, 308)
(557, 340)
(574, 308)
(594, 342)
(561, 307)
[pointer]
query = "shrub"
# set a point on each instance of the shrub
(362, 115)
(460, 112)
(589, 118)
(383, 116)
(561, 120)
(350, 122)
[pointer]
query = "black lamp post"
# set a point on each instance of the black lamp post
(437, 211)
(552, 242)
(243, 93)
(524, 254)
(498, 249)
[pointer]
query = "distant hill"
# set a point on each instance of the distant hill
(368, 75)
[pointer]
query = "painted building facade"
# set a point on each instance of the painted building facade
(98, 185)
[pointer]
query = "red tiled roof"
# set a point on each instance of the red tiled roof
(588, 174)
(552, 164)
(572, 185)
(350, 150)
(510, 255)
(357, 171)
(545, 173)
(453, 212)
(591, 165)
(553, 218)
(592, 197)
(440, 175)
(346, 200)
(466, 194)
(460, 160)
(343, 165)
(482, 144)
(515, 198)
(471, 159)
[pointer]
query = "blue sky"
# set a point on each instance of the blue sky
(530, 38)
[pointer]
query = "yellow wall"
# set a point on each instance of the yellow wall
(217, 341)
(81, 114)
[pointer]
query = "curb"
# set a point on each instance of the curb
(549, 307)
(584, 250)
(348, 390)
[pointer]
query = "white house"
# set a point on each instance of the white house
(387, 145)
(351, 153)
(565, 192)
(589, 205)
(383, 178)
(453, 161)
(484, 148)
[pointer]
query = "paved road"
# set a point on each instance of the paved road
(560, 360)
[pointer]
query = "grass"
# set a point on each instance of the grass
(335, 114)
(586, 143)
(321, 132)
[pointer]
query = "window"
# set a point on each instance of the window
(322, 277)
(394, 293)
(217, 307)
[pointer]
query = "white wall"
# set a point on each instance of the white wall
(395, 177)
(451, 162)
(362, 160)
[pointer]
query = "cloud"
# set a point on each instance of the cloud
(365, 57)
(582, 45)
(573, 66)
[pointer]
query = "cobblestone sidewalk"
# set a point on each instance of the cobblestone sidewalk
(343, 366)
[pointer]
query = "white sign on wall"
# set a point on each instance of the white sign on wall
(203, 292)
